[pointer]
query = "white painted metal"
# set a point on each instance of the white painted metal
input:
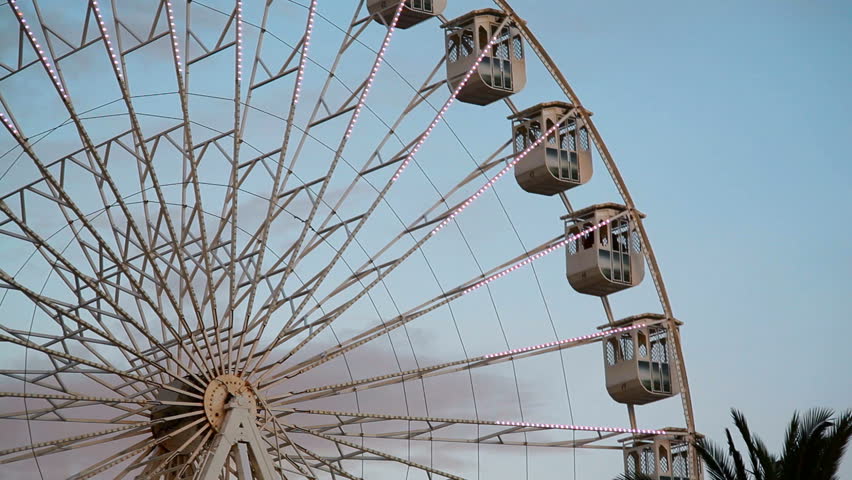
(153, 293)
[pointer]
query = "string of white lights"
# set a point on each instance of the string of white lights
(102, 26)
(462, 421)
(54, 74)
(378, 63)
(303, 61)
(567, 341)
(444, 109)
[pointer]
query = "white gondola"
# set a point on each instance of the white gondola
(563, 160)
(502, 71)
(607, 260)
(636, 362)
(660, 457)
(413, 12)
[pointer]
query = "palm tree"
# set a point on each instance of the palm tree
(814, 445)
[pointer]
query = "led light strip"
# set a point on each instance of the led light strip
(54, 74)
(376, 65)
(304, 60)
(546, 251)
(103, 29)
(566, 341)
(9, 125)
(504, 423)
(494, 179)
(239, 40)
(443, 110)
(173, 34)
(558, 426)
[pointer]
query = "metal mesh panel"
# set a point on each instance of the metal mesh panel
(584, 138)
(610, 352)
(631, 464)
(520, 134)
(647, 461)
(626, 346)
(518, 47)
(572, 247)
(636, 241)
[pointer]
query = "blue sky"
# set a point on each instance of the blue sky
(728, 121)
(731, 123)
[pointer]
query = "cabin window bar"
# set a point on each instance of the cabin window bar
(664, 459)
(647, 461)
(614, 259)
(466, 43)
(420, 5)
(496, 66)
(626, 344)
(588, 238)
(643, 344)
(518, 47)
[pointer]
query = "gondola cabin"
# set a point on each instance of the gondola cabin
(660, 457)
(413, 12)
(636, 361)
(606, 260)
(561, 161)
(502, 71)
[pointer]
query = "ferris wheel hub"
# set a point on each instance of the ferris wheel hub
(219, 393)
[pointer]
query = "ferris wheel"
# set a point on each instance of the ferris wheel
(283, 239)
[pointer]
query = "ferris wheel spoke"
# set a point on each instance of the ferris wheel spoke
(429, 370)
(340, 442)
(164, 466)
(97, 163)
(375, 264)
(375, 162)
(41, 449)
(260, 238)
(59, 445)
(279, 434)
(53, 257)
(320, 463)
(409, 156)
(62, 355)
(386, 327)
(59, 313)
(354, 103)
(430, 425)
(275, 450)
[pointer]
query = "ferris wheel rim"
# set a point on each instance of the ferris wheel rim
(647, 247)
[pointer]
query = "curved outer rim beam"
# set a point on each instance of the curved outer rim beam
(650, 257)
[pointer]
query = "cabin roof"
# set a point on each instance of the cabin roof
(474, 13)
(527, 112)
(651, 317)
(583, 212)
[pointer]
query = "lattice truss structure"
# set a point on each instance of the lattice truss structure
(250, 240)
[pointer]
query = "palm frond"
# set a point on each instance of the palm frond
(715, 460)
